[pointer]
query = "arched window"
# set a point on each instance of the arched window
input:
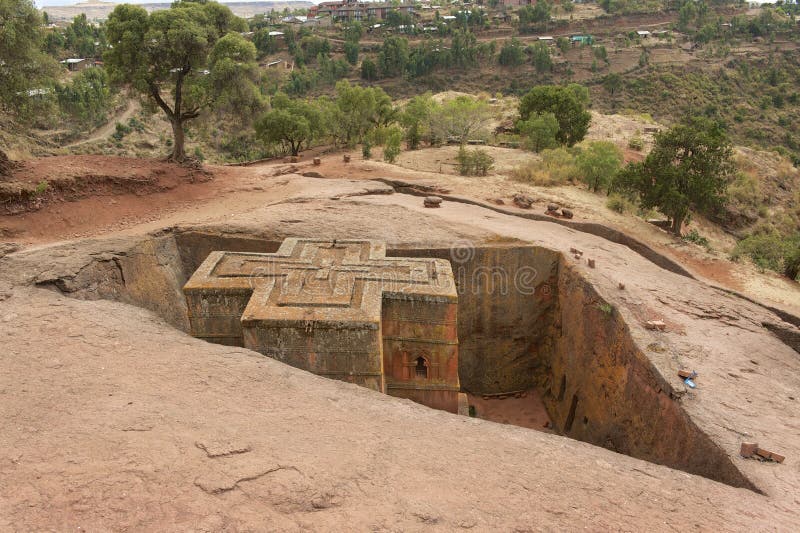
(422, 368)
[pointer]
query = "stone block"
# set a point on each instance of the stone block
(748, 449)
(432, 201)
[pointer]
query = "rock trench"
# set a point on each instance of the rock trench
(527, 319)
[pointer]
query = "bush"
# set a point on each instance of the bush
(636, 143)
(620, 204)
(791, 266)
(770, 250)
(366, 150)
(745, 191)
(135, 124)
(121, 131)
(474, 162)
(557, 167)
(695, 237)
(599, 162)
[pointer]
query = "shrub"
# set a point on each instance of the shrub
(768, 249)
(42, 186)
(620, 204)
(474, 162)
(636, 143)
(135, 124)
(695, 237)
(121, 131)
(791, 265)
(366, 150)
(745, 190)
(557, 167)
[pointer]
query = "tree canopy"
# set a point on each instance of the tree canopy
(359, 110)
(178, 56)
(689, 168)
(598, 162)
(290, 122)
(23, 65)
(460, 118)
(540, 131)
(568, 104)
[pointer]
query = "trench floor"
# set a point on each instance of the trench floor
(525, 411)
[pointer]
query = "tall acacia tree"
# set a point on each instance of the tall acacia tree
(170, 57)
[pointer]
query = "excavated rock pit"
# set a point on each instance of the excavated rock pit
(527, 320)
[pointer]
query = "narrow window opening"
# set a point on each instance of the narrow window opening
(422, 368)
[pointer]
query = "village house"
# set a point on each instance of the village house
(348, 10)
(77, 64)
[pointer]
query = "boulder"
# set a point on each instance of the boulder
(523, 201)
(432, 201)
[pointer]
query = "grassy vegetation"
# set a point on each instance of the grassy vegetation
(556, 167)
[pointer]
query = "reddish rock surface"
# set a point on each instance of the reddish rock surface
(114, 419)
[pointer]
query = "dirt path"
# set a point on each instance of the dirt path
(104, 131)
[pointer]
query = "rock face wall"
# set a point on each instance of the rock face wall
(600, 388)
(506, 296)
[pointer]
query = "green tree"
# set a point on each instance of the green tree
(23, 66)
(567, 103)
(291, 123)
(369, 70)
(353, 32)
(612, 83)
(416, 118)
(464, 49)
(512, 54)
(88, 97)
(392, 147)
(540, 55)
(540, 131)
(461, 118)
(393, 57)
(358, 111)
(351, 52)
(265, 43)
(689, 168)
(165, 56)
(232, 71)
(80, 37)
(598, 162)
(534, 14)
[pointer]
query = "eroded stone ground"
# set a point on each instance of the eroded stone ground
(112, 419)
